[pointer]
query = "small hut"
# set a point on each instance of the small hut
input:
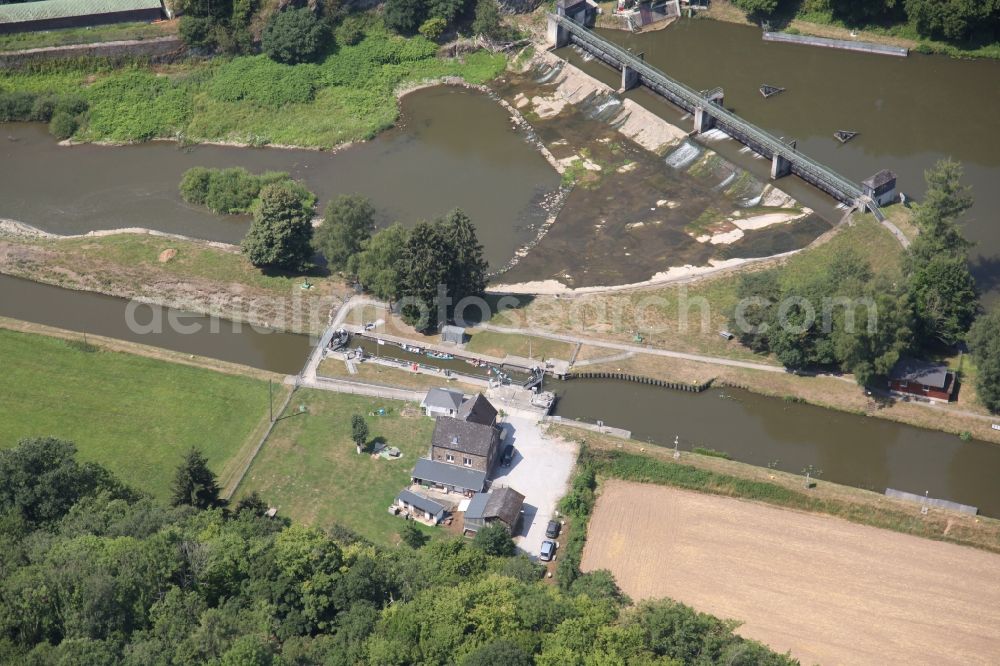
(455, 334)
(881, 187)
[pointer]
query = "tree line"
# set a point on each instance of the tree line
(412, 266)
(928, 312)
(953, 20)
(97, 573)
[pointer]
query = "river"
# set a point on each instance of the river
(909, 111)
(454, 148)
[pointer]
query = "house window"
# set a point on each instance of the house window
(467, 462)
(449, 457)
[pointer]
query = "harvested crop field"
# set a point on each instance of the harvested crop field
(830, 591)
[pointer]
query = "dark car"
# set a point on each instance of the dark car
(548, 551)
(552, 529)
(507, 456)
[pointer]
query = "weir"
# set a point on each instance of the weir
(706, 107)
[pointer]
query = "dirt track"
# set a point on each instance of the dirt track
(831, 591)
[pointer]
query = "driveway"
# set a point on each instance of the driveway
(540, 471)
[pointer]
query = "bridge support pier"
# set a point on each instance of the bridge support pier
(630, 78)
(703, 120)
(557, 35)
(779, 166)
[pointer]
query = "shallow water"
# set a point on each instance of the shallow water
(454, 148)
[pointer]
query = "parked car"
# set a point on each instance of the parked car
(552, 529)
(507, 456)
(548, 551)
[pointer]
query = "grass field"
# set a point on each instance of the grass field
(134, 415)
(501, 344)
(829, 591)
(309, 468)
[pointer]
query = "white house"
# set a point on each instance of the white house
(442, 402)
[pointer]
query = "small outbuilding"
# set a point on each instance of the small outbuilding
(881, 187)
(55, 14)
(502, 505)
(455, 334)
(933, 381)
(442, 402)
(478, 410)
(419, 507)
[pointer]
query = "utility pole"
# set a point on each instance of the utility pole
(270, 398)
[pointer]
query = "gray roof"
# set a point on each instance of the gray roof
(879, 179)
(54, 9)
(463, 436)
(922, 372)
(478, 410)
(457, 330)
(449, 475)
(477, 506)
(420, 502)
(501, 503)
(443, 399)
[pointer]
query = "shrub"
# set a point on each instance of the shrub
(16, 105)
(194, 185)
(63, 125)
(487, 21)
(351, 31)
(235, 190)
(294, 36)
(404, 16)
(263, 82)
(137, 106)
(433, 28)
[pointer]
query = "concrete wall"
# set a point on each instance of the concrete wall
(82, 21)
(161, 49)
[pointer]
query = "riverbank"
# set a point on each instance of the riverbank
(823, 24)
(250, 100)
(190, 275)
(613, 457)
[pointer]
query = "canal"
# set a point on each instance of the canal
(97, 314)
(848, 449)
(454, 148)
(909, 111)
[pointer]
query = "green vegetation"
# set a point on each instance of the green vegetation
(495, 540)
(957, 27)
(984, 339)
(704, 451)
(349, 95)
(294, 36)
(195, 484)
(577, 504)
(217, 25)
(134, 415)
(103, 576)
(235, 190)
(62, 112)
(311, 470)
(378, 263)
(441, 254)
(346, 228)
(845, 315)
(501, 344)
(281, 232)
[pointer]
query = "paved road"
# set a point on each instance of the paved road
(540, 471)
(636, 349)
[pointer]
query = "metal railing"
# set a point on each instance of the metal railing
(744, 131)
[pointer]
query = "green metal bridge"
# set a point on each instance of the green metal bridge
(693, 101)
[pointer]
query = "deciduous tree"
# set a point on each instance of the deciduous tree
(347, 225)
(281, 231)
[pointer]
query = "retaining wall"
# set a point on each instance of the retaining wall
(677, 386)
(159, 49)
(844, 44)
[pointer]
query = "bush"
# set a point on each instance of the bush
(137, 106)
(263, 82)
(294, 36)
(235, 190)
(351, 31)
(16, 106)
(404, 16)
(487, 21)
(63, 125)
(433, 28)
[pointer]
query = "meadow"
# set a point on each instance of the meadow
(136, 416)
